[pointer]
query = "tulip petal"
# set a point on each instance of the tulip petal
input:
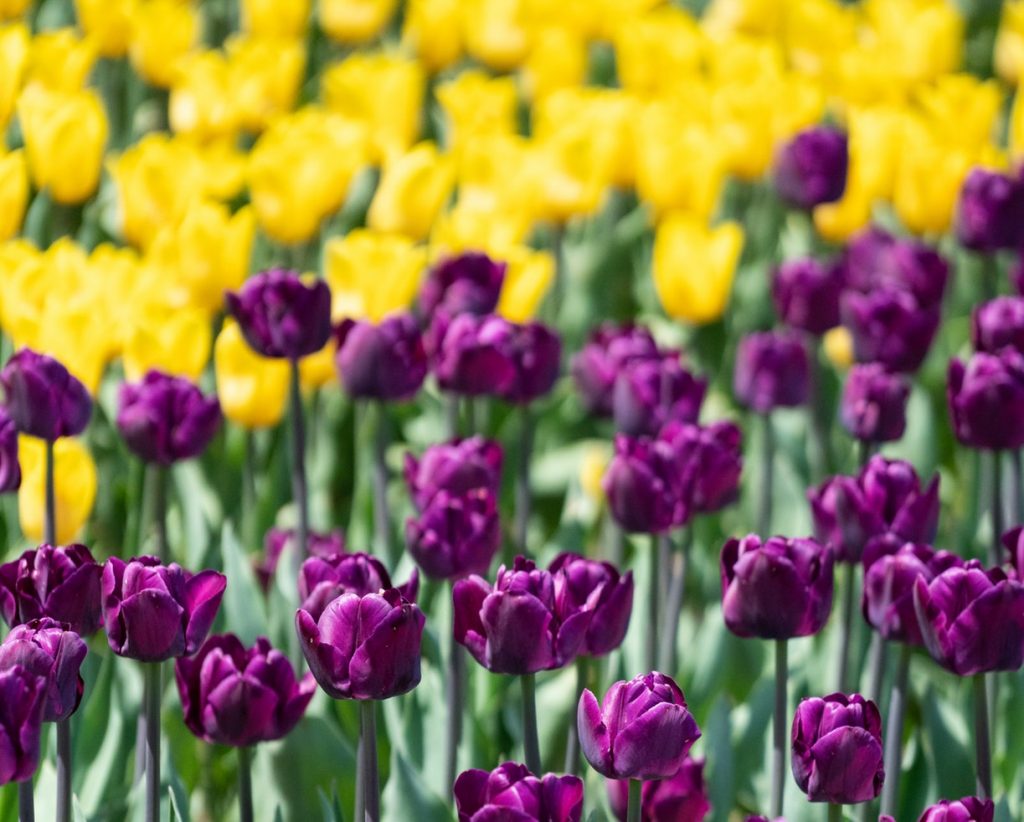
(151, 624)
(652, 747)
(518, 633)
(594, 737)
(203, 593)
(847, 767)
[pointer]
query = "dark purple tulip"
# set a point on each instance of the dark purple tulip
(10, 468)
(642, 485)
(596, 366)
(709, 460)
(510, 793)
(890, 328)
(778, 589)
(364, 647)
(47, 650)
(990, 211)
(386, 361)
(680, 798)
(535, 352)
(456, 467)
(515, 627)
(278, 540)
(811, 168)
(165, 419)
(456, 534)
(968, 809)
(771, 371)
(469, 283)
(154, 612)
(875, 260)
(23, 697)
(971, 619)
(588, 585)
(62, 583)
(471, 355)
(874, 404)
(323, 579)
(998, 323)
(806, 294)
(986, 399)
(238, 696)
(837, 749)
(649, 393)
(642, 729)
(43, 398)
(281, 316)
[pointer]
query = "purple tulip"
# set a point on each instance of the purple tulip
(238, 696)
(875, 260)
(890, 327)
(778, 589)
(23, 697)
(642, 484)
(386, 361)
(469, 283)
(535, 352)
(456, 534)
(323, 579)
(811, 168)
(281, 316)
(364, 647)
(642, 729)
(511, 793)
(968, 809)
(806, 294)
(515, 626)
(278, 540)
(1013, 541)
(62, 583)
(166, 419)
(680, 798)
(986, 399)
(837, 749)
(597, 365)
(457, 466)
(998, 323)
(154, 612)
(649, 393)
(971, 619)
(771, 371)
(874, 403)
(709, 461)
(471, 355)
(588, 585)
(47, 650)
(43, 398)
(990, 211)
(10, 467)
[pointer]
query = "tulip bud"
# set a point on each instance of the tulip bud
(252, 390)
(811, 168)
(108, 23)
(42, 398)
(874, 403)
(596, 366)
(642, 729)
(709, 460)
(385, 361)
(534, 352)
(432, 30)
(472, 357)
(469, 283)
(588, 585)
(680, 798)
(23, 693)
(281, 316)
(968, 809)
(771, 371)
(10, 468)
(889, 327)
(651, 391)
(511, 788)
(325, 578)
(990, 211)
(265, 73)
(455, 535)
(456, 467)
(278, 540)
(998, 323)
(412, 192)
(47, 650)
(162, 32)
(354, 21)
(61, 583)
(806, 294)
(875, 260)
(986, 399)
(642, 485)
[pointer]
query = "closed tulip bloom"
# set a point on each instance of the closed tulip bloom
(472, 357)
(431, 30)
(971, 619)
(238, 696)
(771, 371)
(43, 647)
(275, 18)
(642, 485)
(383, 361)
(876, 260)
(587, 584)
(990, 211)
(354, 21)
(709, 459)
(890, 327)
(323, 579)
(806, 294)
(413, 190)
(108, 23)
(372, 274)
(986, 399)
(162, 32)
(278, 540)
(649, 392)
(998, 323)
(59, 582)
(252, 390)
(811, 168)
(42, 398)
(777, 589)
(455, 534)
(680, 798)
(534, 351)
(154, 612)
(596, 366)
(469, 283)
(22, 702)
(457, 467)
(364, 647)
(642, 729)
(13, 192)
(837, 749)
(10, 468)
(511, 792)
(281, 316)
(874, 403)
(968, 809)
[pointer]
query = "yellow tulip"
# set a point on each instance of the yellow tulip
(61, 60)
(412, 191)
(432, 31)
(108, 23)
(507, 203)
(162, 32)
(224, 166)
(838, 347)
(74, 485)
(317, 370)
(923, 38)
(1015, 136)
(757, 17)
(65, 134)
(570, 177)
(740, 58)
(558, 60)
(815, 32)
(658, 51)
(14, 50)
(355, 21)
(13, 9)
(480, 226)
(202, 104)
(476, 105)
(13, 192)
(117, 274)
(837, 222)
(275, 18)
(1009, 48)
(252, 390)
(372, 274)
(382, 91)
(265, 78)
(611, 15)
(495, 32)
(175, 340)
(875, 136)
(962, 108)
(24, 287)
(528, 276)
(694, 266)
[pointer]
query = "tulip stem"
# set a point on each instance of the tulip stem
(299, 469)
(835, 812)
(821, 451)
(572, 747)
(245, 785)
(371, 779)
(894, 733)
(381, 514)
(653, 609)
(456, 686)
(764, 511)
(64, 770)
(531, 746)
(982, 744)
(779, 729)
(250, 531)
(635, 801)
(846, 625)
(451, 415)
(50, 519)
(152, 708)
(1017, 507)
(996, 546)
(674, 604)
(158, 474)
(522, 520)
(26, 802)
(876, 666)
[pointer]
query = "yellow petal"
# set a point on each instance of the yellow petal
(74, 487)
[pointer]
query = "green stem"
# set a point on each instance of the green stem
(50, 520)
(835, 812)
(674, 604)
(152, 702)
(764, 511)
(158, 473)
(572, 746)
(876, 667)
(299, 494)
(894, 733)
(635, 802)
(381, 514)
(1017, 507)
(245, 813)
(64, 770)
(455, 686)
(26, 802)
(250, 528)
(779, 729)
(653, 607)
(522, 516)
(371, 779)
(846, 626)
(996, 546)
(531, 745)
(982, 742)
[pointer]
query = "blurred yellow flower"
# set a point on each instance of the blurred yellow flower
(495, 32)
(13, 192)
(924, 37)
(355, 21)
(74, 485)
(816, 32)
(14, 49)
(528, 276)
(412, 191)
(252, 390)
(432, 31)
(172, 339)
(486, 186)
(1015, 130)
(108, 23)
(557, 60)
(962, 109)
(742, 58)
(1009, 48)
(757, 17)
(318, 369)
(202, 104)
(570, 174)
(25, 285)
(875, 138)
(838, 347)
(224, 167)
(65, 134)
(12, 9)
(476, 105)
(275, 18)
(265, 77)
(694, 266)
(162, 32)
(837, 222)
(372, 274)
(479, 226)
(658, 51)
(118, 279)
(61, 60)
(382, 91)
(592, 468)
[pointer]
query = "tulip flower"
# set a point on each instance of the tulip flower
(61, 583)
(279, 540)
(432, 31)
(372, 275)
(455, 535)
(414, 188)
(42, 398)
(275, 18)
(990, 211)
(24, 700)
(642, 486)
(13, 192)
(354, 21)
(680, 798)
(108, 23)
(875, 260)
(471, 356)
(510, 789)
(997, 324)
(385, 361)
(806, 294)
(709, 460)
(74, 483)
(597, 365)
(771, 371)
(467, 283)
(968, 809)
(252, 390)
(10, 468)
(455, 467)
(162, 31)
(324, 578)
(889, 327)
(651, 391)
(198, 106)
(47, 650)
(873, 408)
(265, 75)
(811, 168)
(477, 105)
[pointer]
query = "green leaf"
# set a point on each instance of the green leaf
(406, 797)
(243, 607)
